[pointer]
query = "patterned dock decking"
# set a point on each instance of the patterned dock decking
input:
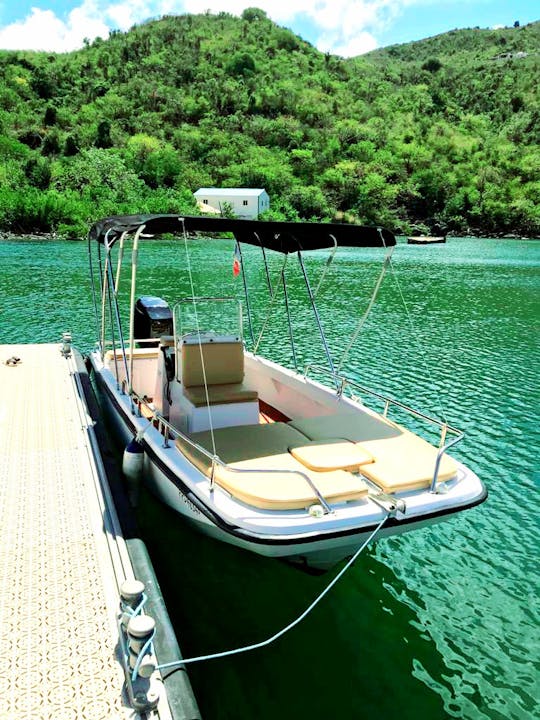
(62, 555)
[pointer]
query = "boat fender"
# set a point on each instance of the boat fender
(132, 467)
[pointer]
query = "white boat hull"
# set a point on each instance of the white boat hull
(304, 541)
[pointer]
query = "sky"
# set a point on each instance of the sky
(342, 27)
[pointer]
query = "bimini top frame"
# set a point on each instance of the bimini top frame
(284, 237)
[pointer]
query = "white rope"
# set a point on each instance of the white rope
(389, 264)
(414, 333)
(291, 625)
(368, 309)
(329, 261)
(274, 293)
(188, 262)
(140, 433)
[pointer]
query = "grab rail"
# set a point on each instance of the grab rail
(165, 428)
(344, 382)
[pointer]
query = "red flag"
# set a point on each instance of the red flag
(237, 261)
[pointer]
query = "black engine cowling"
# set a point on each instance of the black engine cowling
(153, 318)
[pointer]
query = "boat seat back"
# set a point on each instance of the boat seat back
(224, 400)
(223, 363)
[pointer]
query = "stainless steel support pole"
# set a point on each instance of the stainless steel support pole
(248, 307)
(284, 282)
(94, 298)
(111, 319)
(132, 303)
(317, 318)
(120, 333)
(120, 257)
(265, 265)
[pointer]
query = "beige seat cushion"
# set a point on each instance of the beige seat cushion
(246, 442)
(335, 454)
(138, 354)
(402, 460)
(352, 426)
(406, 462)
(220, 394)
(274, 489)
(146, 411)
(265, 448)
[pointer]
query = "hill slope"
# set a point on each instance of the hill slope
(441, 132)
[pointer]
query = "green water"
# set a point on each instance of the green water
(439, 623)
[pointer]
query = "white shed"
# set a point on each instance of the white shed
(245, 202)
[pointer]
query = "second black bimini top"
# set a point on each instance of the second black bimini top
(284, 237)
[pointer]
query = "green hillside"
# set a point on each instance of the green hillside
(437, 134)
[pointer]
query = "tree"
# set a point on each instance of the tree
(309, 202)
(103, 137)
(100, 176)
(70, 146)
(50, 115)
(241, 64)
(38, 172)
(51, 144)
(432, 65)
(254, 14)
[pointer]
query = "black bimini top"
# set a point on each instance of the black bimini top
(285, 237)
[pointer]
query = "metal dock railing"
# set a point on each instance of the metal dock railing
(62, 554)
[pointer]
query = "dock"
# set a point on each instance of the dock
(63, 557)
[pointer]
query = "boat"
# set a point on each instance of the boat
(300, 464)
(426, 239)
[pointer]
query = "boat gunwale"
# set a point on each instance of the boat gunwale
(266, 538)
(166, 428)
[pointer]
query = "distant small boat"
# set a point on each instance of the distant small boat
(426, 239)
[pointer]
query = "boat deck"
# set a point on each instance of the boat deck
(62, 554)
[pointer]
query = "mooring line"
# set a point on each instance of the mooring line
(291, 625)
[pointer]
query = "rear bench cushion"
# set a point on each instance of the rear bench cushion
(353, 426)
(402, 460)
(404, 463)
(265, 447)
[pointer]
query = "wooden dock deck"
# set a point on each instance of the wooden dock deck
(62, 554)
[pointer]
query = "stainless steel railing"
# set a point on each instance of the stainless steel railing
(168, 431)
(342, 383)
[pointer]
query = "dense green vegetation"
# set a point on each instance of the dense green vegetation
(441, 133)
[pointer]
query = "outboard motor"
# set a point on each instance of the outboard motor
(153, 318)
